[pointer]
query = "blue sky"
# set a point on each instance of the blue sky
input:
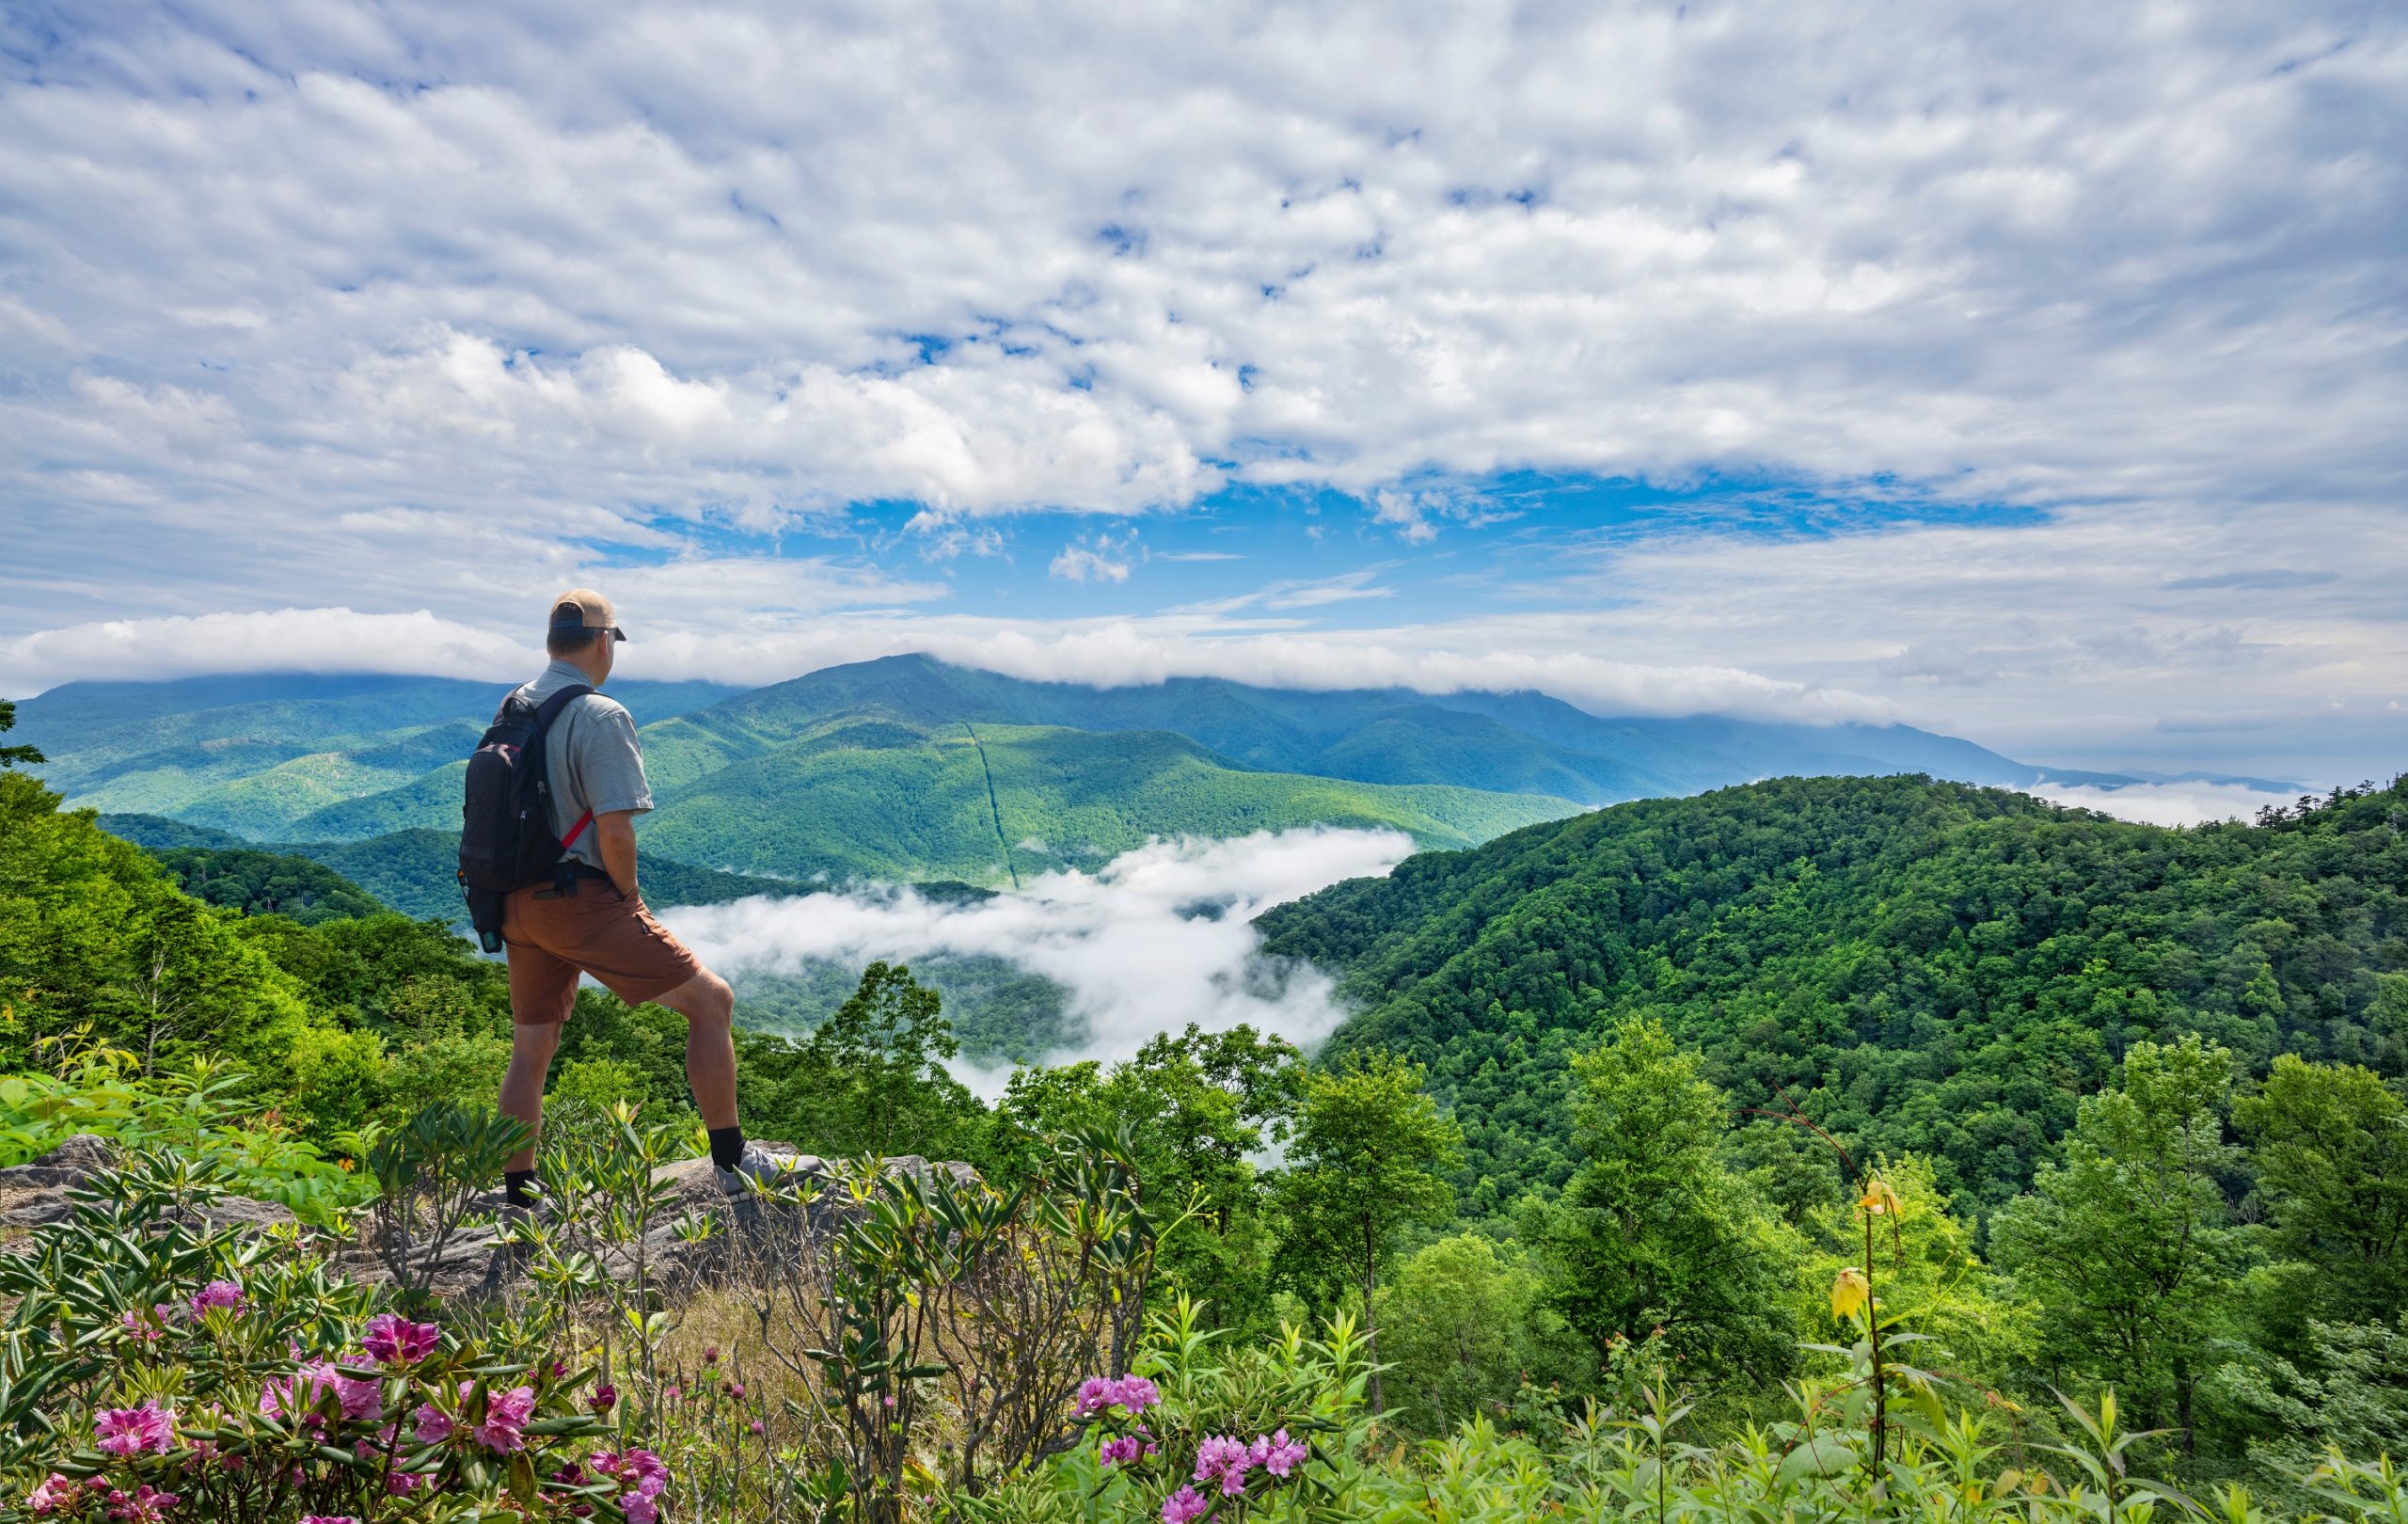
(2030, 372)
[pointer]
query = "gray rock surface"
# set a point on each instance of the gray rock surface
(474, 1264)
(41, 1190)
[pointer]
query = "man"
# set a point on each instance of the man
(597, 924)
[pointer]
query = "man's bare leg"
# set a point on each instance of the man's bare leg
(709, 1009)
(531, 1046)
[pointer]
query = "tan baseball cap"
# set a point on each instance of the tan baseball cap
(581, 608)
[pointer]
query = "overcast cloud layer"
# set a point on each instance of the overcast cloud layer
(815, 332)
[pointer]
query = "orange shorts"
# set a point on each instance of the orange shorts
(598, 932)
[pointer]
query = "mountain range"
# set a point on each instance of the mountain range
(910, 769)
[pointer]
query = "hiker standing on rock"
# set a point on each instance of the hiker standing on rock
(547, 856)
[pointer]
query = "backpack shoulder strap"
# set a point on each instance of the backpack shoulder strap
(551, 707)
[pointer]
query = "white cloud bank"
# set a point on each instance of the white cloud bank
(2168, 804)
(1110, 653)
(1158, 938)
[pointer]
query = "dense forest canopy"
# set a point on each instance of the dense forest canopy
(1923, 966)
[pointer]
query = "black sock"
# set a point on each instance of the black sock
(727, 1147)
(518, 1187)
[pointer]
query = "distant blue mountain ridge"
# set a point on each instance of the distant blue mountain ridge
(933, 762)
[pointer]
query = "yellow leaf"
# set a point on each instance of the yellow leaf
(1850, 1293)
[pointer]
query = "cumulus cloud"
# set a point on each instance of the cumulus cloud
(1158, 938)
(399, 309)
(1099, 559)
(2168, 804)
(755, 257)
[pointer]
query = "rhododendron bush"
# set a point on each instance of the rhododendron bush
(159, 1372)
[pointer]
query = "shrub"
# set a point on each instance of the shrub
(164, 1370)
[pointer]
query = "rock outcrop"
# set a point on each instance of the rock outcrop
(473, 1263)
(40, 1190)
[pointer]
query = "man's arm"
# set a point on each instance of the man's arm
(614, 833)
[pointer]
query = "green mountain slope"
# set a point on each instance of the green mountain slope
(1923, 965)
(253, 752)
(882, 799)
(266, 883)
(1515, 742)
(411, 871)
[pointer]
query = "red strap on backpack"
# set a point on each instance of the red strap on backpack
(577, 830)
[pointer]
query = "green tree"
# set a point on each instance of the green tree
(1370, 1156)
(1197, 1106)
(1461, 1326)
(1654, 1233)
(872, 1079)
(2127, 1245)
(92, 931)
(12, 755)
(2331, 1154)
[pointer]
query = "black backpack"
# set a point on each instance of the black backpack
(506, 839)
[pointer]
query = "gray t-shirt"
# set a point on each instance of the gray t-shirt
(593, 759)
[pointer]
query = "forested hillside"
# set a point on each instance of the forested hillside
(875, 798)
(1921, 965)
(410, 871)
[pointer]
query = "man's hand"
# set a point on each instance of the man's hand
(615, 835)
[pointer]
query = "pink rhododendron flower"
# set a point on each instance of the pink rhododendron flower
(434, 1424)
(130, 1431)
(362, 1398)
(57, 1494)
(1183, 1505)
(224, 1293)
(1132, 1394)
(398, 1342)
(145, 1505)
(604, 1398)
(506, 1413)
(643, 1474)
(1284, 1452)
(139, 1327)
(1226, 1459)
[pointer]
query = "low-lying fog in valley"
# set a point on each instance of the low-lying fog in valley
(1157, 938)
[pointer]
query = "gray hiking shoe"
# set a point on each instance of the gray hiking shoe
(759, 1164)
